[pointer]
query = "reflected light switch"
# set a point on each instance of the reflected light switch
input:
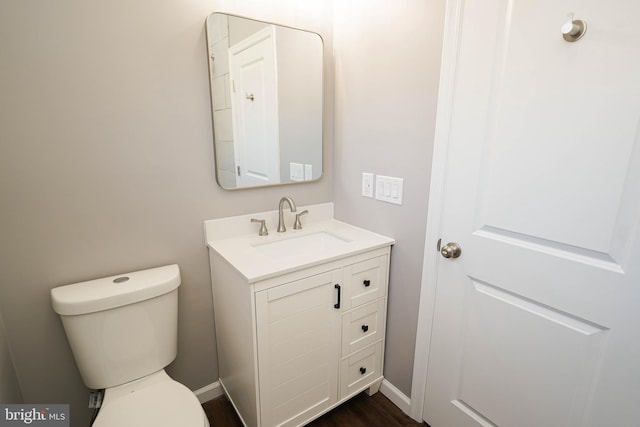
(296, 171)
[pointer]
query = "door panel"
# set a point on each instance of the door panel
(254, 90)
(535, 324)
(513, 362)
(556, 118)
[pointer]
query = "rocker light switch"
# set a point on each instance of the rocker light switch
(389, 189)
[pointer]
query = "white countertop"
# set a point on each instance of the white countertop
(229, 238)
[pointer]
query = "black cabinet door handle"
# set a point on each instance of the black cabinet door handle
(365, 328)
(363, 370)
(337, 305)
(366, 283)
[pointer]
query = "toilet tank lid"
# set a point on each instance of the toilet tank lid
(114, 291)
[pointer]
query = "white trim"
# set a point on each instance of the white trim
(396, 397)
(209, 392)
(453, 22)
(390, 391)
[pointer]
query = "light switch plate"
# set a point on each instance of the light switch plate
(389, 189)
(296, 171)
(308, 172)
(367, 184)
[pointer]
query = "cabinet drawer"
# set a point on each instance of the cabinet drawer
(360, 369)
(363, 326)
(366, 280)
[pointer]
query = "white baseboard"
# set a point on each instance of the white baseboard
(209, 392)
(390, 391)
(397, 397)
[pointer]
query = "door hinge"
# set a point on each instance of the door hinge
(238, 170)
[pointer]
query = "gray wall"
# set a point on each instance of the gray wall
(106, 159)
(299, 100)
(9, 388)
(240, 29)
(106, 166)
(387, 69)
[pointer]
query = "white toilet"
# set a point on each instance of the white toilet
(123, 332)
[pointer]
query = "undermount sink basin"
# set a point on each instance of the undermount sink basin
(323, 239)
(300, 244)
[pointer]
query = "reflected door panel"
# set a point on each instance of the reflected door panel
(255, 111)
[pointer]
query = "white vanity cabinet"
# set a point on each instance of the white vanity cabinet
(292, 346)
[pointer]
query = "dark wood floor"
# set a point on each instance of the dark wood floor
(360, 411)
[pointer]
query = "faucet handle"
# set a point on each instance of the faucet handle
(298, 225)
(263, 227)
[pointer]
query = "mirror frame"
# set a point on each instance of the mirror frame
(322, 122)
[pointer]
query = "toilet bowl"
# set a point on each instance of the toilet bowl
(123, 332)
(155, 400)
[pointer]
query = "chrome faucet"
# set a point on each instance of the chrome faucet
(292, 207)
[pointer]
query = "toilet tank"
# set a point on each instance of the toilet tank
(123, 327)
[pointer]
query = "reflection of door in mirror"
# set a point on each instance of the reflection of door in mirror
(266, 101)
(252, 67)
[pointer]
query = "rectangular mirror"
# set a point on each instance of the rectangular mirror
(266, 98)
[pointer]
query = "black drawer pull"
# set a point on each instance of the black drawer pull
(365, 328)
(363, 370)
(366, 283)
(337, 305)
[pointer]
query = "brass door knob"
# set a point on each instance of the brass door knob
(451, 250)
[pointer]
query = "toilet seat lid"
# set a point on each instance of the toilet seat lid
(161, 404)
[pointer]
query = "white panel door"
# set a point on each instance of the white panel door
(298, 329)
(537, 323)
(254, 103)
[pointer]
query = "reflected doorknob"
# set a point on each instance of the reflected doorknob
(451, 250)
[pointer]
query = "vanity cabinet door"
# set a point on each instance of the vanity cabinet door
(298, 334)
